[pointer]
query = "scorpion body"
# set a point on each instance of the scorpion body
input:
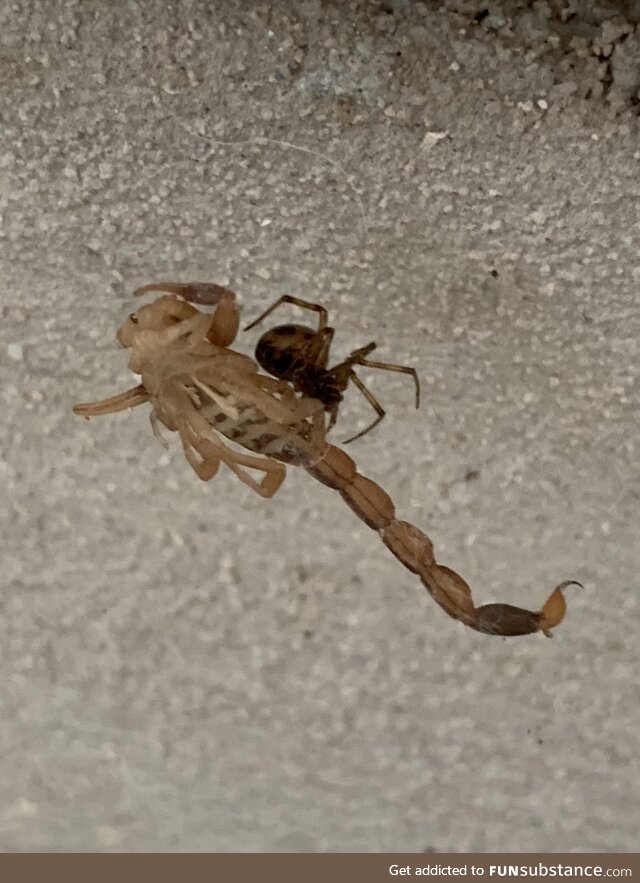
(203, 390)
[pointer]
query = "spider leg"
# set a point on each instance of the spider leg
(317, 350)
(333, 416)
(298, 302)
(358, 358)
(375, 404)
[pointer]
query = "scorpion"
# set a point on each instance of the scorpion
(206, 392)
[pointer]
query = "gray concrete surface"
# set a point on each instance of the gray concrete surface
(190, 667)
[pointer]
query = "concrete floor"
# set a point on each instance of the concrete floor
(190, 667)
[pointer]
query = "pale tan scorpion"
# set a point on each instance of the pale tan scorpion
(201, 389)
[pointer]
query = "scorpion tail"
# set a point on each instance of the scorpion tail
(414, 549)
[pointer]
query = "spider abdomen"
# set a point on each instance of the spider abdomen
(287, 352)
(281, 351)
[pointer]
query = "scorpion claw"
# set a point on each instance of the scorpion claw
(225, 319)
(206, 293)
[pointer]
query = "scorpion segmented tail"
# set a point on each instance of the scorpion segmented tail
(414, 549)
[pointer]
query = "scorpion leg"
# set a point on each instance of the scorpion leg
(205, 468)
(290, 408)
(274, 473)
(213, 450)
(261, 391)
(120, 402)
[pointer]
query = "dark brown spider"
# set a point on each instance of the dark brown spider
(300, 355)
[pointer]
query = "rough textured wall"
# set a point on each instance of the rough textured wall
(187, 666)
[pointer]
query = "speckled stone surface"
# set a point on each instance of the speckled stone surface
(190, 667)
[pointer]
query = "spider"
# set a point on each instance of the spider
(299, 355)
